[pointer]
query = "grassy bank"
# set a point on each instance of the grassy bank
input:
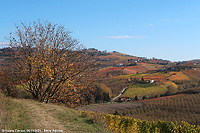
(13, 114)
(25, 114)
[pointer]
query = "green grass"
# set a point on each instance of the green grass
(15, 116)
(80, 122)
(20, 119)
(145, 89)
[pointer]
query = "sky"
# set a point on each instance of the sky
(165, 29)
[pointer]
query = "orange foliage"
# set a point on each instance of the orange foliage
(106, 89)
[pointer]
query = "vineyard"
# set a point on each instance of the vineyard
(158, 76)
(193, 73)
(130, 125)
(178, 76)
(138, 75)
(124, 70)
(145, 89)
(151, 66)
(139, 69)
(180, 108)
(129, 71)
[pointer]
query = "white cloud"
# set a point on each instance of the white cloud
(4, 44)
(125, 36)
(150, 25)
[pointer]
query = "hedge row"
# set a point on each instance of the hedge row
(130, 125)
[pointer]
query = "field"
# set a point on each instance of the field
(138, 69)
(129, 71)
(109, 56)
(110, 107)
(177, 76)
(139, 75)
(123, 70)
(145, 89)
(119, 56)
(113, 70)
(151, 66)
(195, 74)
(170, 83)
(180, 108)
(157, 76)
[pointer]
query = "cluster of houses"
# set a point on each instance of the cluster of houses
(124, 99)
(134, 60)
(148, 81)
(131, 62)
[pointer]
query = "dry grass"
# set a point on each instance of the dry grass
(171, 83)
(13, 115)
(129, 71)
(3, 112)
(139, 69)
(151, 66)
(178, 76)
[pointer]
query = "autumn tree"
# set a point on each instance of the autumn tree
(49, 63)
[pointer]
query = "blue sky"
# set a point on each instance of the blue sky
(167, 29)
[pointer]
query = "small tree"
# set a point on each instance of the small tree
(136, 98)
(50, 64)
(142, 80)
(171, 90)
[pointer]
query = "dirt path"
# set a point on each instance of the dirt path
(41, 115)
(122, 92)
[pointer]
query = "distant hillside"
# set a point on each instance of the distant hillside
(195, 61)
